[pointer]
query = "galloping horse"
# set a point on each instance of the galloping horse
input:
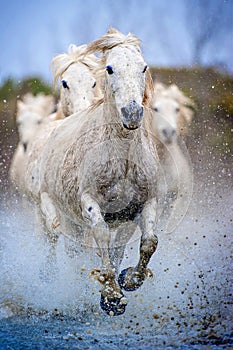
(32, 111)
(100, 167)
(172, 114)
(78, 90)
(78, 85)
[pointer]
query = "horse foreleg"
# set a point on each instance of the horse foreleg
(132, 278)
(50, 216)
(112, 300)
(48, 270)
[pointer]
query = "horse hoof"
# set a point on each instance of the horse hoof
(113, 307)
(129, 282)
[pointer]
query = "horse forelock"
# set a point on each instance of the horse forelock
(62, 62)
(112, 39)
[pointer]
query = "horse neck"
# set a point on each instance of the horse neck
(175, 150)
(178, 159)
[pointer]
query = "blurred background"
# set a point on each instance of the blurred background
(187, 42)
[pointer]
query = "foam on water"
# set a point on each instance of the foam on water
(33, 276)
(189, 296)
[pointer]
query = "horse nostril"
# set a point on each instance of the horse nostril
(124, 112)
(141, 110)
(25, 146)
(164, 132)
(173, 132)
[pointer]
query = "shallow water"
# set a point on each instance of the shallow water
(187, 304)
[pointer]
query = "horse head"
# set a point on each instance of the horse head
(31, 111)
(76, 73)
(170, 112)
(127, 78)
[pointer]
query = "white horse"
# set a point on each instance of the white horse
(99, 168)
(172, 114)
(78, 84)
(78, 89)
(31, 112)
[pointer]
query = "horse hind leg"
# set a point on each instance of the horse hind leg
(132, 278)
(46, 217)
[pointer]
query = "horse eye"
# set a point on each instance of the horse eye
(156, 109)
(94, 85)
(144, 70)
(177, 109)
(64, 84)
(109, 70)
(39, 122)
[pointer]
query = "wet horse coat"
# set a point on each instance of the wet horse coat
(100, 167)
(77, 91)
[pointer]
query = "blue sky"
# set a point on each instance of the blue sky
(33, 32)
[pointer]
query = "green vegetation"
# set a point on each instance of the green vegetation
(10, 92)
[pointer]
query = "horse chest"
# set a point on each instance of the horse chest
(120, 184)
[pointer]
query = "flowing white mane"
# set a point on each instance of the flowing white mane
(62, 62)
(111, 39)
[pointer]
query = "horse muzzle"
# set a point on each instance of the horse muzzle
(131, 115)
(169, 136)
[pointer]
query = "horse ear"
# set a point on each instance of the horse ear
(174, 88)
(20, 106)
(113, 31)
(187, 113)
(158, 88)
(72, 48)
(76, 50)
(187, 105)
(28, 98)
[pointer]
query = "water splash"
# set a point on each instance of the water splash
(32, 276)
(188, 297)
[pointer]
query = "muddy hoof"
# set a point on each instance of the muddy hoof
(113, 307)
(129, 281)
